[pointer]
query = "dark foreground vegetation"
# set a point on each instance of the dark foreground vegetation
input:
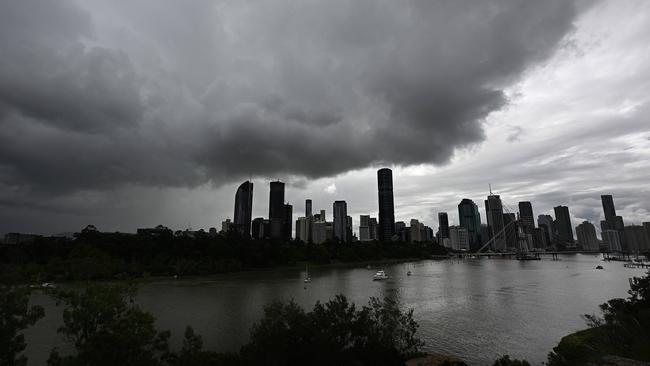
(106, 327)
(94, 255)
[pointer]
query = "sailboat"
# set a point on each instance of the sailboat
(307, 278)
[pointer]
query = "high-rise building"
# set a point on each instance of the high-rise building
(613, 222)
(227, 226)
(511, 233)
(494, 214)
(547, 224)
(303, 229)
(612, 240)
(277, 211)
(258, 228)
(364, 228)
(646, 226)
(586, 233)
(637, 239)
(564, 227)
(526, 216)
(340, 210)
(443, 225)
(287, 222)
(348, 228)
(458, 238)
(416, 231)
(386, 204)
(400, 230)
(373, 228)
(470, 219)
(608, 206)
(308, 208)
(244, 208)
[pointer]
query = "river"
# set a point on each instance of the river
(474, 309)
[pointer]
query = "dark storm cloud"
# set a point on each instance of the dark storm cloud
(99, 95)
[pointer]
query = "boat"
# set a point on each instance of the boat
(307, 278)
(379, 276)
(599, 267)
(409, 273)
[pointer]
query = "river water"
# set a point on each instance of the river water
(474, 309)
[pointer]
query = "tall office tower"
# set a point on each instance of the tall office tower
(563, 222)
(322, 215)
(287, 222)
(303, 229)
(510, 230)
(612, 241)
(637, 239)
(485, 234)
(526, 216)
(586, 233)
(364, 228)
(373, 229)
(613, 222)
(608, 206)
(416, 230)
(308, 208)
(340, 209)
(429, 236)
(443, 225)
(539, 238)
(386, 204)
(458, 238)
(276, 211)
(348, 228)
(258, 228)
(400, 229)
(545, 222)
(319, 232)
(470, 219)
(244, 208)
(646, 226)
(494, 214)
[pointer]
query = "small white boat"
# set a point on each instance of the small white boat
(307, 278)
(47, 285)
(379, 276)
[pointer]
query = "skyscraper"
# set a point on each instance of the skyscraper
(510, 230)
(494, 214)
(386, 204)
(545, 222)
(586, 233)
(526, 216)
(443, 225)
(613, 222)
(287, 222)
(276, 210)
(340, 221)
(244, 208)
(608, 206)
(563, 222)
(308, 208)
(470, 219)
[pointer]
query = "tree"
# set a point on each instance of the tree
(333, 333)
(623, 330)
(108, 328)
(506, 361)
(15, 316)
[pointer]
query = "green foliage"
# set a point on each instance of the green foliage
(334, 333)
(623, 330)
(107, 328)
(506, 361)
(15, 316)
(95, 255)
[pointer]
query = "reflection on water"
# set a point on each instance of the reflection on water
(477, 309)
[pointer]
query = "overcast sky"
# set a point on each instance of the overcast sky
(127, 114)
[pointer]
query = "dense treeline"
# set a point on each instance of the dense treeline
(95, 255)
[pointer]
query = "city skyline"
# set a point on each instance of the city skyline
(160, 139)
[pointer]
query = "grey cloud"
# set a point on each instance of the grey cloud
(99, 96)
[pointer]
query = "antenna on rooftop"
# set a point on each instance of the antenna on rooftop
(490, 186)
